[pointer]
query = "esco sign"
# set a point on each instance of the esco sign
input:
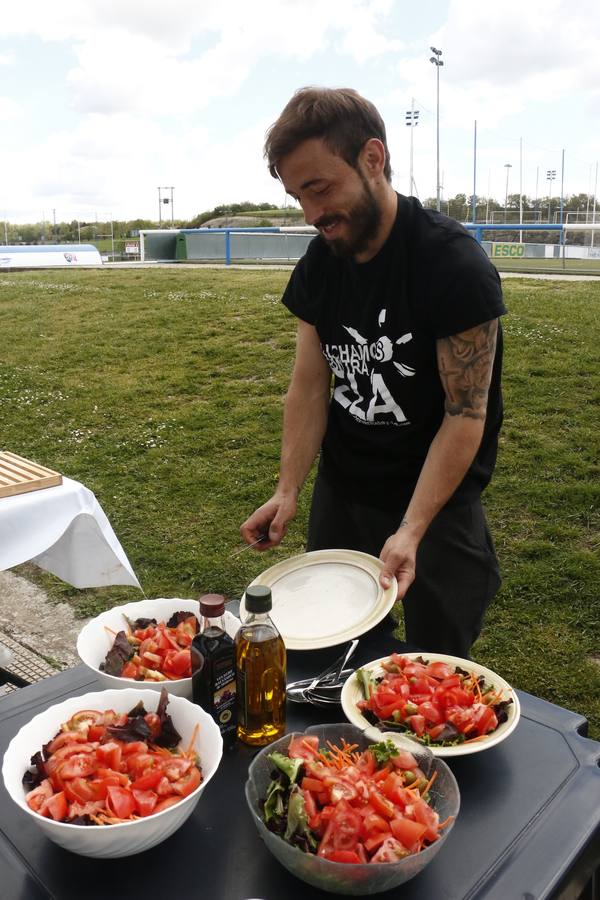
(510, 250)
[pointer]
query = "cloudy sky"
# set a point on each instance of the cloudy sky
(102, 101)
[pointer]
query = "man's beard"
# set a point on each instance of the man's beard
(362, 221)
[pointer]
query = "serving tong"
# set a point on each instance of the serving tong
(324, 689)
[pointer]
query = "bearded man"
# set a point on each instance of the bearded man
(396, 381)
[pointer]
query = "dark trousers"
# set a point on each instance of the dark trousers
(457, 571)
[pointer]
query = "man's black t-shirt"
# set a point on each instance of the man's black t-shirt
(378, 323)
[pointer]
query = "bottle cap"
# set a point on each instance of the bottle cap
(212, 605)
(258, 598)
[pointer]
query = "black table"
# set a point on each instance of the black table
(528, 828)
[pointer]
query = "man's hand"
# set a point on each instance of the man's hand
(270, 519)
(399, 559)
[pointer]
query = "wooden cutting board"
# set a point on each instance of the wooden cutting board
(19, 475)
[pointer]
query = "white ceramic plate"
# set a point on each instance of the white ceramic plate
(326, 597)
(352, 693)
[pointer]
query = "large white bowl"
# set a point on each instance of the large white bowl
(95, 641)
(352, 693)
(108, 841)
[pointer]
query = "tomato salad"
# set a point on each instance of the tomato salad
(104, 768)
(153, 651)
(349, 806)
(438, 703)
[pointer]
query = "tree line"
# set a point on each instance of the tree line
(460, 207)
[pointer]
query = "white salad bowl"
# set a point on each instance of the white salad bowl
(126, 838)
(96, 638)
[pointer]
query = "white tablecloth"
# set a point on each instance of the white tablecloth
(64, 530)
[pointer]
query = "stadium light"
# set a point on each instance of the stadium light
(550, 176)
(412, 120)
(165, 200)
(437, 63)
(508, 167)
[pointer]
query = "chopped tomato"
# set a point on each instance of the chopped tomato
(417, 723)
(439, 670)
(130, 670)
(311, 784)
(390, 851)
(382, 805)
(77, 766)
(153, 723)
(109, 754)
(78, 790)
(120, 801)
(376, 839)
(407, 831)
(148, 780)
(342, 829)
(427, 816)
(404, 760)
(366, 764)
(36, 798)
(165, 803)
(485, 719)
(342, 856)
(145, 801)
(142, 634)
(55, 807)
(184, 786)
(64, 738)
(304, 747)
(178, 662)
(135, 747)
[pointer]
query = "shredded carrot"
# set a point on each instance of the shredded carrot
(446, 822)
(190, 748)
(480, 737)
(110, 631)
(429, 783)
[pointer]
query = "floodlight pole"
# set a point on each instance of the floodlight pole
(508, 167)
(594, 208)
(550, 176)
(437, 63)
(412, 119)
(474, 198)
(520, 188)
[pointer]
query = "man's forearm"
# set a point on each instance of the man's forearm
(451, 453)
(304, 423)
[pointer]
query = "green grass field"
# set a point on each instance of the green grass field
(161, 390)
(551, 266)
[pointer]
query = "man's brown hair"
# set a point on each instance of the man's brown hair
(340, 116)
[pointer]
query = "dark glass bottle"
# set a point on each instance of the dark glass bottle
(261, 667)
(213, 667)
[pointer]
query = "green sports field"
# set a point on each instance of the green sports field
(162, 391)
(550, 266)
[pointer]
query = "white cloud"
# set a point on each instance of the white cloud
(9, 110)
(155, 90)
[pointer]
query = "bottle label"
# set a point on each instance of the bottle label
(224, 696)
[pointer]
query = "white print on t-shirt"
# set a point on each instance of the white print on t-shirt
(367, 398)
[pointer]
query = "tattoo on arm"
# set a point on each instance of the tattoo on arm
(465, 365)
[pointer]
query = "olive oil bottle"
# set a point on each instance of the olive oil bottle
(260, 667)
(213, 667)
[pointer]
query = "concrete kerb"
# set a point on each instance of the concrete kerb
(37, 638)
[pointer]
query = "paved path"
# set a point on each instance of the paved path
(37, 637)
